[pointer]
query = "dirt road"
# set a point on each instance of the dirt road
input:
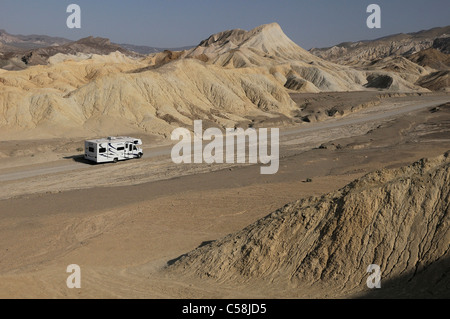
(306, 134)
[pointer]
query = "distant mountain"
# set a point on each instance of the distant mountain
(142, 49)
(364, 52)
(89, 45)
(39, 56)
(28, 42)
(420, 57)
(12, 43)
(20, 51)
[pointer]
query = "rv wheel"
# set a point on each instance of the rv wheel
(115, 160)
(139, 155)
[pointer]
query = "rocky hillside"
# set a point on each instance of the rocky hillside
(431, 58)
(427, 52)
(231, 77)
(105, 92)
(438, 65)
(268, 47)
(398, 219)
(442, 44)
(364, 52)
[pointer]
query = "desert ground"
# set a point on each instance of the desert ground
(127, 224)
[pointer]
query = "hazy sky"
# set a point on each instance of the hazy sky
(175, 23)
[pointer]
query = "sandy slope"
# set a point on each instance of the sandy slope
(87, 98)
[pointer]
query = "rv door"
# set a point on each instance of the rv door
(129, 150)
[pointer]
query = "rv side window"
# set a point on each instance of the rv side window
(91, 149)
(121, 148)
(102, 150)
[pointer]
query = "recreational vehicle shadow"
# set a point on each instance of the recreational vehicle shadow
(80, 159)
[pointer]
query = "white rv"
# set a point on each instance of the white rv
(113, 149)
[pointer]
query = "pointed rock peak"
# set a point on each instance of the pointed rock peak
(268, 32)
(267, 27)
(239, 36)
(267, 40)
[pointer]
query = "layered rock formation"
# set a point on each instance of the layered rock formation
(398, 219)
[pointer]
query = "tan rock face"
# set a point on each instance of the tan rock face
(398, 219)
